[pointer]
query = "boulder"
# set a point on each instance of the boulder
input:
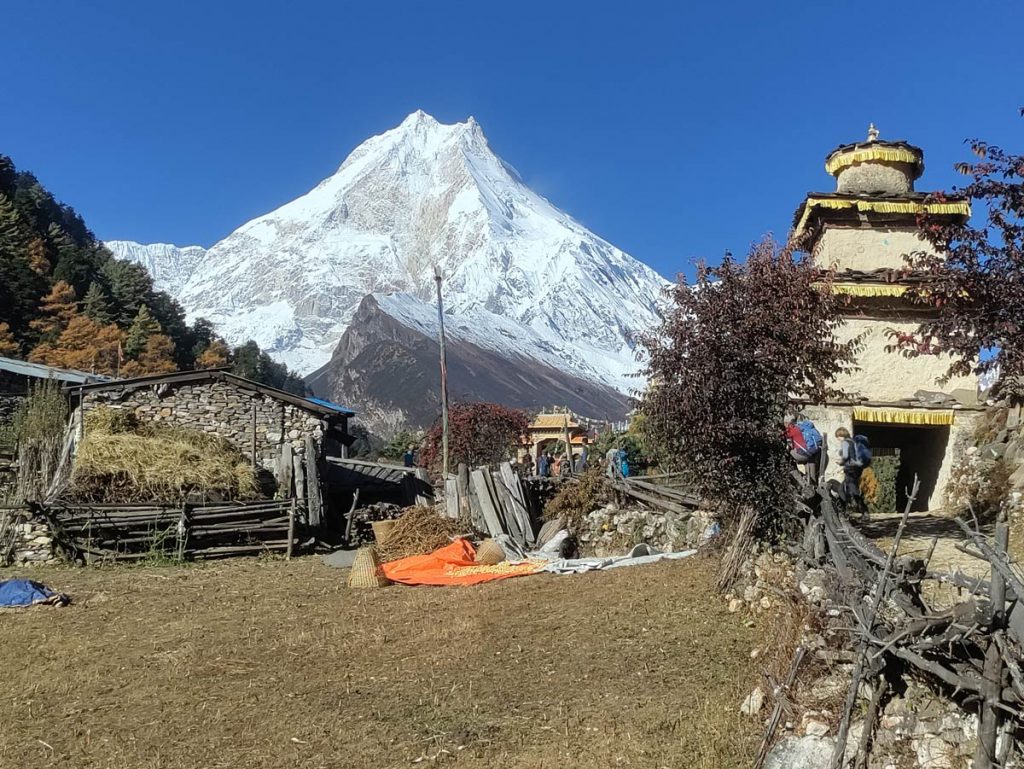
(753, 703)
(807, 752)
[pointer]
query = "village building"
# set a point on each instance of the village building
(551, 428)
(258, 419)
(863, 231)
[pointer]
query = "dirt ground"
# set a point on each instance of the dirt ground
(263, 663)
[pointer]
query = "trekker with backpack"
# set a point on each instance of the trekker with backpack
(805, 444)
(854, 457)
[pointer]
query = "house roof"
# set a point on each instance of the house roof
(39, 371)
(552, 422)
(315, 405)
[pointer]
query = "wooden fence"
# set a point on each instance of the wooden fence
(97, 532)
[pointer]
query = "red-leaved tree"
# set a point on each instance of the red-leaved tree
(976, 285)
(732, 350)
(479, 434)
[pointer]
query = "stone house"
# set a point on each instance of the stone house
(263, 422)
(862, 231)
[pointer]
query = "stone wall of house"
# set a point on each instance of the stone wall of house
(33, 541)
(221, 408)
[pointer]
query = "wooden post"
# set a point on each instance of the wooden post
(182, 532)
(313, 496)
(291, 530)
(254, 433)
(992, 671)
(568, 442)
(444, 375)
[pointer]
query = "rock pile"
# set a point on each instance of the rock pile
(610, 531)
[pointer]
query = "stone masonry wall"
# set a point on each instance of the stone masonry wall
(33, 542)
(221, 408)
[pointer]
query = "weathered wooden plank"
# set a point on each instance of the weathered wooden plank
(462, 482)
(451, 498)
(488, 511)
(509, 518)
(314, 495)
(519, 510)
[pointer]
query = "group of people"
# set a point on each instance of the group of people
(807, 448)
(548, 465)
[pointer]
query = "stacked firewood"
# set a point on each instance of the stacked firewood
(361, 531)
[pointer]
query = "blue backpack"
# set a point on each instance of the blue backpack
(812, 437)
(861, 451)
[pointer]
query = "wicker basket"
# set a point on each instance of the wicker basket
(490, 553)
(382, 530)
(365, 570)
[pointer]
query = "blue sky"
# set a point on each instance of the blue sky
(675, 130)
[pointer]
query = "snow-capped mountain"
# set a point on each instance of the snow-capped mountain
(168, 265)
(521, 277)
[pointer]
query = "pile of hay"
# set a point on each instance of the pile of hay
(420, 530)
(120, 460)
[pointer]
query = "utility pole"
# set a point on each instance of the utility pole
(444, 373)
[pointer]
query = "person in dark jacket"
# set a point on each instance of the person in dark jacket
(543, 466)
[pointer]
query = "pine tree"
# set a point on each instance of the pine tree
(215, 355)
(56, 311)
(139, 332)
(96, 305)
(84, 345)
(9, 347)
(130, 287)
(12, 231)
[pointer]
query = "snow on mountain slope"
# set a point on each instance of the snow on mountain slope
(520, 275)
(168, 265)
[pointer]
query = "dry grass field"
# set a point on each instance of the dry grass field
(263, 663)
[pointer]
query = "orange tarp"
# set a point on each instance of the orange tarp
(453, 564)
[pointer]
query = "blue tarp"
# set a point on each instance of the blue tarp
(27, 592)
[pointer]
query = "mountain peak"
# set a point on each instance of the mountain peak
(534, 281)
(419, 117)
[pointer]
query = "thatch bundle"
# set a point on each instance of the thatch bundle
(420, 530)
(122, 461)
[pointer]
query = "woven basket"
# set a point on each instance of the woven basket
(382, 530)
(490, 553)
(365, 570)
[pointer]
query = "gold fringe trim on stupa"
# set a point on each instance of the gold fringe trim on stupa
(883, 207)
(887, 154)
(904, 416)
(869, 289)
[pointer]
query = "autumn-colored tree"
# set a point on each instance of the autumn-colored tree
(38, 261)
(8, 345)
(732, 350)
(139, 332)
(215, 355)
(479, 434)
(57, 310)
(976, 285)
(156, 358)
(83, 345)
